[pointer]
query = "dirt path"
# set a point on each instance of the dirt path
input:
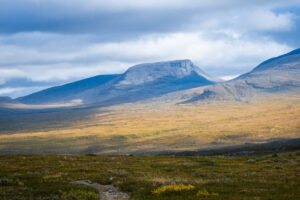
(106, 192)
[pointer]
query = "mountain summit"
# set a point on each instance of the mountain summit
(151, 72)
(137, 83)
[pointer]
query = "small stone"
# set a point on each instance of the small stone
(251, 161)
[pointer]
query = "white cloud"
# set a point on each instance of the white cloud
(2, 81)
(6, 74)
(247, 20)
(265, 20)
(66, 71)
(4, 91)
(15, 92)
(229, 77)
(18, 91)
(115, 57)
(207, 52)
(13, 54)
(62, 71)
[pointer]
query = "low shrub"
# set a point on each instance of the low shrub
(173, 188)
(79, 195)
(205, 193)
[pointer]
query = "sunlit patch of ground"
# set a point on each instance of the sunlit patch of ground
(147, 127)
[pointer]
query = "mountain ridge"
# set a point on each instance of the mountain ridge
(148, 80)
(62, 90)
(277, 74)
(137, 83)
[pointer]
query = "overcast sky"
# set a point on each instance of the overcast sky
(49, 42)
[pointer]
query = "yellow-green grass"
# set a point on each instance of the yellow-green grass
(44, 177)
(147, 127)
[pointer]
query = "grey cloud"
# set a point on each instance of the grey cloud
(48, 42)
(115, 18)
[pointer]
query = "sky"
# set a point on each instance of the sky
(44, 43)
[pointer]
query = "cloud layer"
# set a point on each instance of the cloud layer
(54, 42)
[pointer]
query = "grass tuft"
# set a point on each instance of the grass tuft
(173, 188)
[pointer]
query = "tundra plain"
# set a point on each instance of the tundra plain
(148, 127)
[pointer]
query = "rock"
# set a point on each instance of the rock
(106, 192)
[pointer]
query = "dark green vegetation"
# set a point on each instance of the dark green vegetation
(48, 177)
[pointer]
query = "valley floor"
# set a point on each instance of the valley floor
(45, 177)
(151, 128)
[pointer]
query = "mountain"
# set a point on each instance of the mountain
(144, 81)
(4, 100)
(67, 92)
(279, 74)
(137, 83)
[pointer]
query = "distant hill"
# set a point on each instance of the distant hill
(279, 74)
(67, 92)
(4, 100)
(137, 83)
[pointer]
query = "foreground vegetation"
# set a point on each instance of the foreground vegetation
(49, 177)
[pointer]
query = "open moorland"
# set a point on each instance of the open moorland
(45, 177)
(151, 128)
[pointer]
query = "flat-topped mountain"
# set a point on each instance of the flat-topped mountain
(172, 70)
(138, 82)
(279, 74)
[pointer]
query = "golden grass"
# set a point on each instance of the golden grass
(133, 128)
(173, 188)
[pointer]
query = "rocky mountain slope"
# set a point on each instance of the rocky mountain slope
(146, 81)
(279, 74)
(137, 83)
